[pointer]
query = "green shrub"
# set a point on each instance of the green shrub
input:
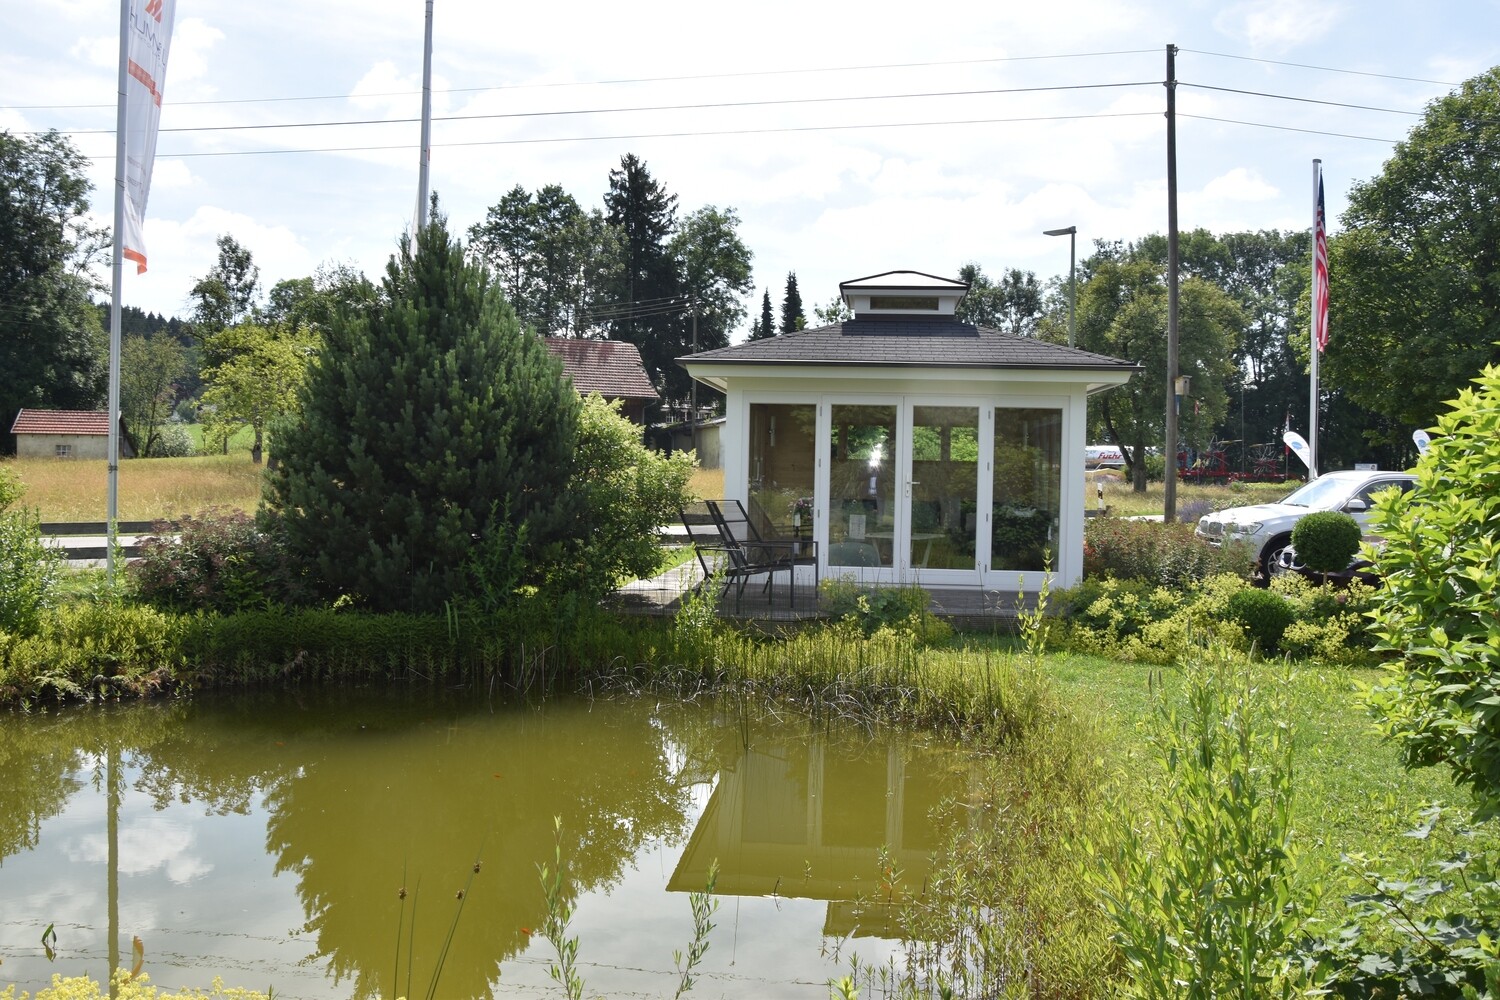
(219, 561)
(1441, 567)
(1122, 607)
(1263, 614)
(1136, 620)
(625, 493)
(29, 571)
(1168, 554)
(1326, 541)
(84, 650)
(1331, 625)
(871, 610)
(11, 488)
(1433, 933)
(173, 440)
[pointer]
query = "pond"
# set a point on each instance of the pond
(266, 838)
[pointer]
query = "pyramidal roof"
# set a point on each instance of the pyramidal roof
(909, 341)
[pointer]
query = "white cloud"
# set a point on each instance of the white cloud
(192, 38)
(171, 174)
(148, 845)
(1279, 25)
(1240, 185)
(98, 50)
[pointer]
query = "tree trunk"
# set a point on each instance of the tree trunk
(255, 449)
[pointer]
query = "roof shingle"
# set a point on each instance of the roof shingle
(934, 343)
(86, 422)
(611, 368)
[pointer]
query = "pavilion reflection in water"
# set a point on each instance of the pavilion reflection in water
(856, 826)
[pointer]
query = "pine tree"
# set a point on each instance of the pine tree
(766, 325)
(432, 428)
(792, 319)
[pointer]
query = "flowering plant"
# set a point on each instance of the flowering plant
(802, 506)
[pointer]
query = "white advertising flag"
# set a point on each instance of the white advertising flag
(1295, 441)
(150, 28)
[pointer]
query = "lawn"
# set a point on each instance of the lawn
(1353, 796)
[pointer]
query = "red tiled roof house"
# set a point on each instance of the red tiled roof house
(66, 434)
(612, 368)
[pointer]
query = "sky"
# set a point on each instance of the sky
(849, 139)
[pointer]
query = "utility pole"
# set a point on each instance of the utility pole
(1169, 509)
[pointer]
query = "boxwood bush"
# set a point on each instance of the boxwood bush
(1326, 541)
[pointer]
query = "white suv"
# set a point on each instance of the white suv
(1267, 527)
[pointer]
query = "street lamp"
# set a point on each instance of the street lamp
(1072, 234)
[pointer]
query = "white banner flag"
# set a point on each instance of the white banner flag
(150, 38)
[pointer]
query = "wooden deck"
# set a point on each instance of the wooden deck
(661, 596)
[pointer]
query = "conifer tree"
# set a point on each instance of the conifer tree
(647, 300)
(792, 319)
(433, 427)
(766, 325)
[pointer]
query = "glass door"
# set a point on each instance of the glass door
(943, 491)
(862, 479)
(904, 491)
(1026, 492)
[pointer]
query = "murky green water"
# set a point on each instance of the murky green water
(264, 839)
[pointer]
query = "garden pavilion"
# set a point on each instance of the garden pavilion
(911, 446)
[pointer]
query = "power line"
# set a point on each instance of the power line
(1323, 69)
(1301, 100)
(1288, 128)
(705, 106)
(742, 74)
(658, 135)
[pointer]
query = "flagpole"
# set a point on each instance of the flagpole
(426, 123)
(1312, 330)
(117, 281)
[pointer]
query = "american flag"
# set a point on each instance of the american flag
(1320, 272)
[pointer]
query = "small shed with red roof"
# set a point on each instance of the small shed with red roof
(612, 368)
(66, 434)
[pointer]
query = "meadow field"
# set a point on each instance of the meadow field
(150, 488)
(169, 487)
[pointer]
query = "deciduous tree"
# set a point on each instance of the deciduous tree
(714, 265)
(259, 379)
(1122, 312)
(52, 346)
(836, 311)
(151, 370)
(228, 293)
(1414, 278)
